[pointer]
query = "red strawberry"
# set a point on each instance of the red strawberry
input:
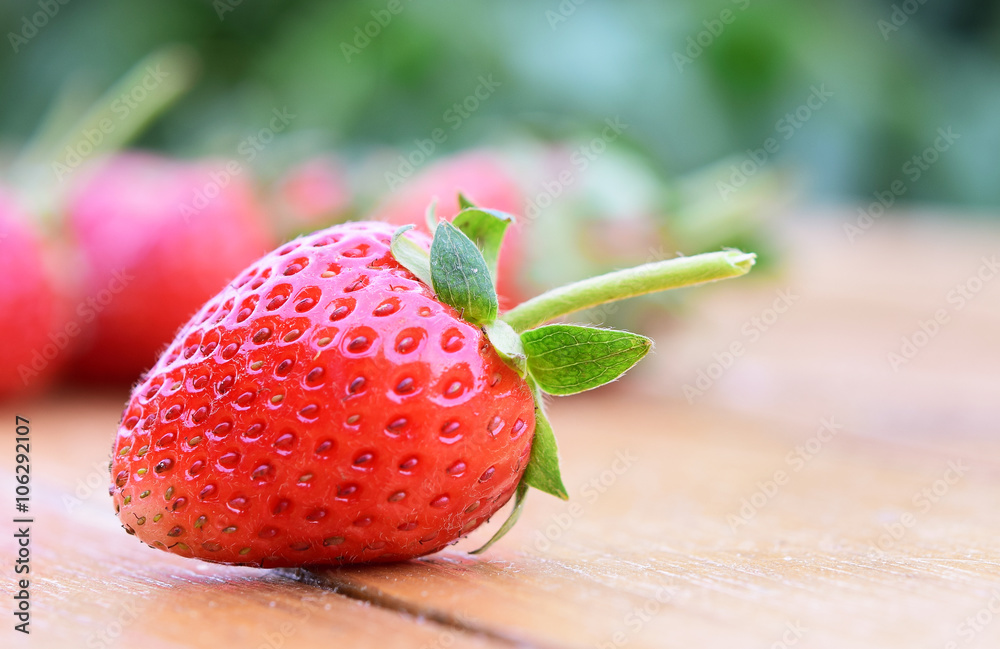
(158, 238)
(484, 180)
(354, 398)
(323, 408)
(311, 194)
(31, 308)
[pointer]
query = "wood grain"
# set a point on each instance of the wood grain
(811, 497)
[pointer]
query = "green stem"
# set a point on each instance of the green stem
(146, 90)
(151, 86)
(632, 282)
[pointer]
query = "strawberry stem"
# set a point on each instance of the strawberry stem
(632, 282)
(119, 115)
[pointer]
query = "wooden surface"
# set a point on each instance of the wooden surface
(732, 519)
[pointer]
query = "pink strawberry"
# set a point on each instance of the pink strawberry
(354, 397)
(31, 307)
(158, 237)
(480, 176)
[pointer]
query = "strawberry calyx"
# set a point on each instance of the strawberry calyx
(556, 359)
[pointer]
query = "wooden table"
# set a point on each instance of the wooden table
(811, 495)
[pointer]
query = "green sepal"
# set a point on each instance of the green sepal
(430, 215)
(522, 491)
(411, 255)
(508, 345)
(566, 359)
(460, 277)
(464, 202)
(486, 229)
(543, 472)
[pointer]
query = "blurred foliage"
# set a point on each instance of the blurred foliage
(560, 74)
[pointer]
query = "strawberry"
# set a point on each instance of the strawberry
(482, 178)
(158, 237)
(31, 307)
(312, 193)
(354, 397)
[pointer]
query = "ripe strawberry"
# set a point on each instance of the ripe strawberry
(312, 194)
(31, 308)
(158, 237)
(352, 397)
(484, 180)
(323, 408)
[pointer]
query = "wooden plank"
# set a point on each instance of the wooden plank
(94, 586)
(821, 552)
(660, 542)
(828, 353)
(729, 521)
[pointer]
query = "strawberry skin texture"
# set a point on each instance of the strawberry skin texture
(323, 409)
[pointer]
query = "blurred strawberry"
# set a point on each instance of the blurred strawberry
(32, 344)
(312, 195)
(481, 177)
(157, 237)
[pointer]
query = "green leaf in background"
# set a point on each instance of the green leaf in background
(522, 491)
(543, 472)
(508, 345)
(460, 276)
(430, 215)
(486, 229)
(411, 255)
(566, 359)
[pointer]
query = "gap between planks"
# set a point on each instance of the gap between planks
(326, 579)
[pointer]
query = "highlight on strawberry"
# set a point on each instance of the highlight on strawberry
(357, 396)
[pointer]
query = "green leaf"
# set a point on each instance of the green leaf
(464, 202)
(486, 229)
(430, 215)
(522, 491)
(460, 276)
(566, 359)
(411, 255)
(543, 472)
(508, 345)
